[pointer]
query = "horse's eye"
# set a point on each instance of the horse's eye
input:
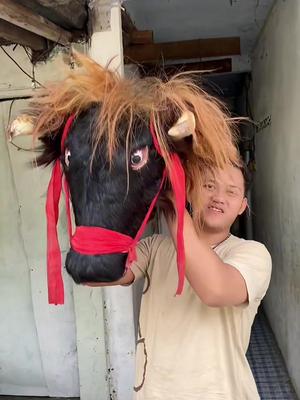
(67, 157)
(139, 158)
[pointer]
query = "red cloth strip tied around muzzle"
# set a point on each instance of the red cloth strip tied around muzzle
(91, 240)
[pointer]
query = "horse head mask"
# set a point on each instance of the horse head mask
(116, 141)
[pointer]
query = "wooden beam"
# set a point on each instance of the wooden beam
(141, 37)
(219, 47)
(131, 35)
(14, 34)
(8, 94)
(137, 37)
(206, 67)
(68, 14)
(23, 17)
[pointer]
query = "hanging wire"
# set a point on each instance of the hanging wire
(19, 66)
(34, 81)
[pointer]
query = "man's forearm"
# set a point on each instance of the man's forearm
(216, 283)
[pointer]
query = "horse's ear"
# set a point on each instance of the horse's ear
(22, 125)
(184, 127)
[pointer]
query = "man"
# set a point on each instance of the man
(193, 346)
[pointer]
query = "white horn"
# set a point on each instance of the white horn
(185, 126)
(22, 125)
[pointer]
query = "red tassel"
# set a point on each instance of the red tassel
(132, 252)
(54, 271)
(177, 178)
(54, 275)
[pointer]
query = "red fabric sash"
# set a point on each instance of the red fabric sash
(54, 273)
(177, 177)
(90, 240)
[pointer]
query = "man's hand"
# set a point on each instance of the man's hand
(126, 280)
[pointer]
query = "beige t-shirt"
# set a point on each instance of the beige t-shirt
(186, 349)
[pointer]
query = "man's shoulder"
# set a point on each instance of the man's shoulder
(156, 241)
(249, 247)
(237, 241)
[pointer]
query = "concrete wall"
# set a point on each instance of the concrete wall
(37, 342)
(276, 93)
(44, 350)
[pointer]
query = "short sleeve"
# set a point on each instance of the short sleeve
(144, 250)
(253, 261)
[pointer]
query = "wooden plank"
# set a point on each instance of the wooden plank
(68, 14)
(212, 66)
(141, 37)
(14, 34)
(24, 18)
(137, 37)
(218, 47)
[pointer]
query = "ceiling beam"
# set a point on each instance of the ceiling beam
(137, 37)
(70, 14)
(14, 34)
(205, 67)
(155, 52)
(141, 37)
(23, 17)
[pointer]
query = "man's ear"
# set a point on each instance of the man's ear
(244, 205)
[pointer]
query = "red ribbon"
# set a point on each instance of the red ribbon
(54, 273)
(177, 177)
(90, 240)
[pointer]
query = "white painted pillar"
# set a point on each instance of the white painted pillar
(106, 48)
(106, 42)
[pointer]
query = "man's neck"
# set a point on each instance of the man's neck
(213, 238)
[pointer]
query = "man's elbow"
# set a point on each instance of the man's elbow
(217, 298)
(212, 300)
(210, 297)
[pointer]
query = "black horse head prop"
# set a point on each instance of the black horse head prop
(114, 138)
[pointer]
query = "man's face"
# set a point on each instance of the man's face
(223, 198)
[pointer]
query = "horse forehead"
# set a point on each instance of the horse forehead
(82, 133)
(141, 136)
